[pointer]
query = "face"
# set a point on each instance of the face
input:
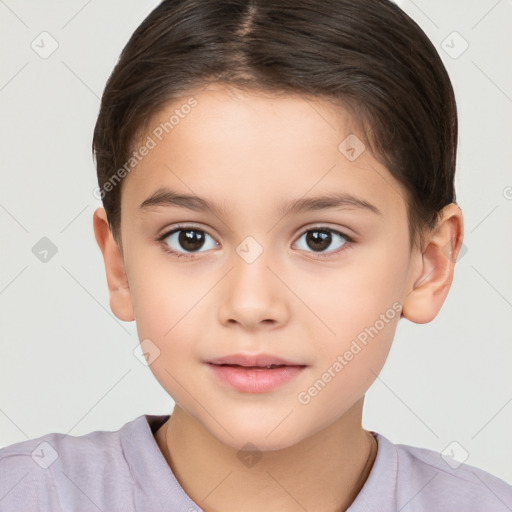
(319, 286)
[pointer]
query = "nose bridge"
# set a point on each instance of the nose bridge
(253, 294)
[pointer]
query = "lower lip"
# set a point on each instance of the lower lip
(249, 380)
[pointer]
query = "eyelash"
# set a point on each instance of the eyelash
(161, 239)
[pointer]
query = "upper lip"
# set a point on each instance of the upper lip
(252, 360)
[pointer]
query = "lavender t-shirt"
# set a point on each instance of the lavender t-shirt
(125, 471)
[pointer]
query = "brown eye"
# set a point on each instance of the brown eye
(320, 239)
(187, 240)
(191, 239)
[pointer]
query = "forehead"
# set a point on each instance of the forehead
(240, 148)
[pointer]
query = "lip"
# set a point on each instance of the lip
(253, 360)
(251, 380)
(239, 371)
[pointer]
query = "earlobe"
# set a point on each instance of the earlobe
(118, 286)
(432, 276)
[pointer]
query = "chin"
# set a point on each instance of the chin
(265, 436)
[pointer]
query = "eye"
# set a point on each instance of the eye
(184, 241)
(321, 238)
(189, 238)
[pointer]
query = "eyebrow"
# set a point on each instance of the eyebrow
(164, 197)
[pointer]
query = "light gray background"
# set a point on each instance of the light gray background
(67, 364)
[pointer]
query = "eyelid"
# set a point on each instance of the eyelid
(177, 227)
(326, 226)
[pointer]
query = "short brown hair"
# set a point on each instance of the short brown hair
(365, 55)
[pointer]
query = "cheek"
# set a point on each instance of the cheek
(165, 294)
(171, 306)
(359, 302)
(367, 280)
(167, 309)
(348, 363)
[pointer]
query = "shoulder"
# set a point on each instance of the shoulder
(429, 480)
(55, 469)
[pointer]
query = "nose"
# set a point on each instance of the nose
(252, 295)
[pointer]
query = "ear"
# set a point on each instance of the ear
(433, 271)
(118, 286)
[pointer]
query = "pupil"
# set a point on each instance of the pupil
(189, 239)
(318, 240)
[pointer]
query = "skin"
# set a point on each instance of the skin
(249, 152)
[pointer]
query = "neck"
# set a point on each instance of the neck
(324, 472)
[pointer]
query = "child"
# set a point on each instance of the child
(309, 149)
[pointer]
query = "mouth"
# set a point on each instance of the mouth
(264, 361)
(267, 367)
(254, 374)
